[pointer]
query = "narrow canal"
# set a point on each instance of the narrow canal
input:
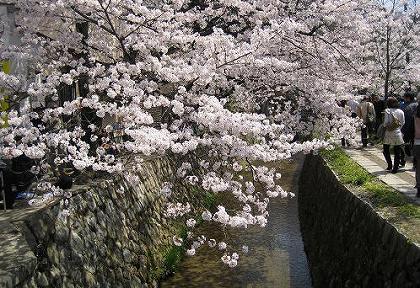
(276, 257)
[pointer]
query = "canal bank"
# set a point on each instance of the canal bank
(276, 256)
(359, 234)
(114, 234)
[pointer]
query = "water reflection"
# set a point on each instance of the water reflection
(276, 257)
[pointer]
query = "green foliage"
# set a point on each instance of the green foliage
(172, 258)
(384, 195)
(409, 210)
(209, 200)
(232, 105)
(174, 254)
(380, 194)
(348, 171)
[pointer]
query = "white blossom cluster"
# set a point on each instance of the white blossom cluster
(177, 209)
(154, 78)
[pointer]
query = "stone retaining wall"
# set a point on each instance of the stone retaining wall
(347, 243)
(115, 235)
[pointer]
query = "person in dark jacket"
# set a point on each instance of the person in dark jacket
(415, 128)
(409, 109)
(17, 175)
(379, 106)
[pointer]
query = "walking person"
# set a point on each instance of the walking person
(353, 104)
(393, 121)
(416, 147)
(343, 105)
(366, 112)
(379, 105)
(409, 109)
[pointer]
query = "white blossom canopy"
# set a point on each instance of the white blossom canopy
(224, 82)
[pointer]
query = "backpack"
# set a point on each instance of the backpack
(380, 132)
(395, 123)
(370, 117)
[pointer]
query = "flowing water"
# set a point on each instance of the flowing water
(276, 257)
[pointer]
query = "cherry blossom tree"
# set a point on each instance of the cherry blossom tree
(393, 51)
(220, 85)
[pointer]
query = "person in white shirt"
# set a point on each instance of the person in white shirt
(393, 121)
(353, 104)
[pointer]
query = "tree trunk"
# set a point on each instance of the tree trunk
(388, 62)
(87, 115)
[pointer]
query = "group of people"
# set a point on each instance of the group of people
(396, 123)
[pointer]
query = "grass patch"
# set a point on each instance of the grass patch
(384, 195)
(380, 194)
(409, 210)
(173, 256)
(348, 171)
(209, 200)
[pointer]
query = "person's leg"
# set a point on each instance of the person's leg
(371, 133)
(364, 136)
(387, 156)
(402, 155)
(397, 158)
(411, 144)
(407, 149)
(377, 123)
(416, 152)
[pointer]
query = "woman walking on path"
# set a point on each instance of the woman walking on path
(416, 146)
(393, 121)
